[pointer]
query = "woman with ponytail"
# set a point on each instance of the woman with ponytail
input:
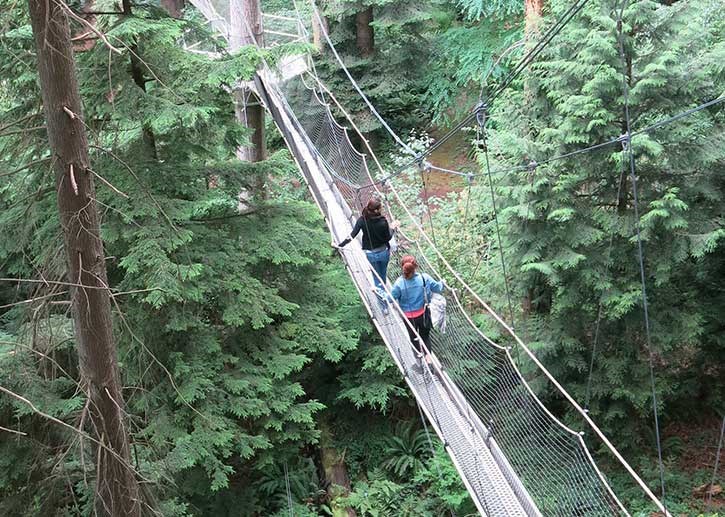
(413, 291)
(375, 242)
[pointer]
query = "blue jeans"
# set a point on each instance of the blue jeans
(379, 261)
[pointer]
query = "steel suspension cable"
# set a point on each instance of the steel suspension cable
(587, 396)
(482, 126)
(615, 140)
(717, 465)
(527, 59)
(364, 97)
(548, 375)
(288, 489)
(572, 11)
(640, 251)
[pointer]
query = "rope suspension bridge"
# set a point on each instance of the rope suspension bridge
(515, 457)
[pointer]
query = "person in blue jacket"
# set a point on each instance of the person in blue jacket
(412, 291)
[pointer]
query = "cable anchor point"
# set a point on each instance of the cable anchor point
(469, 179)
(626, 141)
(423, 164)
(481, 111)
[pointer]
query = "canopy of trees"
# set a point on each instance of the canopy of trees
(218, 361)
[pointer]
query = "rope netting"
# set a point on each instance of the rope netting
(530, 445)
(550, 459)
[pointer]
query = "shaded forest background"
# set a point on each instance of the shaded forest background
(244, 351)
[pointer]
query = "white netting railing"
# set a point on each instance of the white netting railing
(496, 429)
(549, 459)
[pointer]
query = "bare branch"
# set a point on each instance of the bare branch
(89, 25)
(31, 300)
(107, 183)
(21, 131)
(100, 444)
(31, 281)
(19, 121)
(12, 431)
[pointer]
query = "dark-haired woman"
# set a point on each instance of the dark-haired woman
(412, 291)
(375, 242)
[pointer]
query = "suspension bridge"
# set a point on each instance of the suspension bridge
(513, 454)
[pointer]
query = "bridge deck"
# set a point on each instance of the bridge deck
(483, 471)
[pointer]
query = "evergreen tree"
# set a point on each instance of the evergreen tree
(216, 311)
(558, 218)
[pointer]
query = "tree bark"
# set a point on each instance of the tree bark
(364, 32)
(117, 489)
(532, 15)
(246, 16)
(318, 38)
(335, 473)
(173, 7)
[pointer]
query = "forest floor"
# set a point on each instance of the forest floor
(696, 448)
(453, 154)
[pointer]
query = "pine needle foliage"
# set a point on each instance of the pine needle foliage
(559, 218)
(218, 307)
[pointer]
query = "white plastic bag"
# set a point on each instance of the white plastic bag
(393, 243)
(438, 312)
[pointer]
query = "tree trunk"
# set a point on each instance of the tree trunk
(335, 473)
(532, 15)
(318, 38)
(246, 16)
(117, 488)
(364, 32)
(533, 10)
(173, 7)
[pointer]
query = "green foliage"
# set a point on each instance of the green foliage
(436, 489)
(218, 312)
(465, 57)
(392, 77)
(239, 337)
(557, 219)
(403, 450)
(478, 9)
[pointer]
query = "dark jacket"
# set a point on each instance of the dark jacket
(376, 232)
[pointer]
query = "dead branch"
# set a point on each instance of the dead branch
(107, 183)
(89, 25)
(46, 416)
(12, 431)
(31, 300)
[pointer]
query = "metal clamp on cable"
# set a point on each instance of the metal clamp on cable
(469, 179)
(626, 140)
(423, 164)
(531, 166)
(481, 114)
